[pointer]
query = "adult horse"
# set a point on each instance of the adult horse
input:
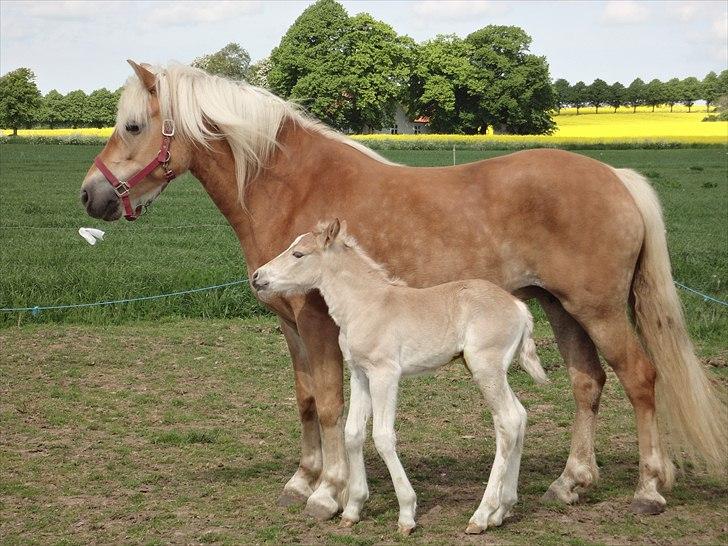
(586, 240)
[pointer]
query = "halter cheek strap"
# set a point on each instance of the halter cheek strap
(122, 188)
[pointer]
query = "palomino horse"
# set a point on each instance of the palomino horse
(586, 240)
(387, 330)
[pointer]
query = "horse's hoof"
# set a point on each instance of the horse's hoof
(291, 498)
(474, 529)
(559, 495)
(346, 522)
(647, 506)
(321, 508)
(405, 529)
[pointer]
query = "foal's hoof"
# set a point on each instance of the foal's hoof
(554, 494)
(321, 508)
(474, 529)
(647, 506)
(291, 498)
(405, 529)
(346, 522)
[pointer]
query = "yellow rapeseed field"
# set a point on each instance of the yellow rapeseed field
(589, 127)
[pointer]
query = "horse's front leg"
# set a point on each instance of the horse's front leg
(301, 485)
(320, 337)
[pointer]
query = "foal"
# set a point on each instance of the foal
(388, 330)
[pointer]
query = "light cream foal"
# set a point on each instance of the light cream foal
(388, 330)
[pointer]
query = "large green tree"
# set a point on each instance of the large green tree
(258, 73)
(101, 108)
(561, 93)
(617, 95)
(709, 87)
(20, 99)
(655, 93)
(232, 61)
(444, 85)
(597, 94)
(51, 109)
(673, 92)
(517, 96)
(74, 109)
(578, 95)
(636, 95)
(690, 91)
(347, 71)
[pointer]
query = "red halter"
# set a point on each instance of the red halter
(122, 189)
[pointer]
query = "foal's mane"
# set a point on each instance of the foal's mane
(205, 108)
(350, 243)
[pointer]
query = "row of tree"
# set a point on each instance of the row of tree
(22, 105)
(655, 93)
(352, 72)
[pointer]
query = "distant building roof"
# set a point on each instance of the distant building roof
(422, 119)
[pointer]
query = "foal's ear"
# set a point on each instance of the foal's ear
(331, 231)
(145, 75)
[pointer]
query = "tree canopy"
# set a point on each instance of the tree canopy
(19, 99)
(232, 61)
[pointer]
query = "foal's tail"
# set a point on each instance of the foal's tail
(528, 358)
(692, 418)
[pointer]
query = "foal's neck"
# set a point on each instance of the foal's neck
(349, 283)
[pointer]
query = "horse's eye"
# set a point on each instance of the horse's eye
(297, 254)
(132, 128)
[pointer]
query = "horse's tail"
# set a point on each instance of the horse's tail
(527, 357)
(692, 417)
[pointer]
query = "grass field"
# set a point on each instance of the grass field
(174, 420)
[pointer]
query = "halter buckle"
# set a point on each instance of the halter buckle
(122, 189)
(168, 127)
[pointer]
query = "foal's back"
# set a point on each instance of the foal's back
(425, 328)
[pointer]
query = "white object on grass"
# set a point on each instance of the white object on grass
(91, 235)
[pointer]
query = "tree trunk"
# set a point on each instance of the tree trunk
(671, 108)
(653, 107)
(634, 109)
(689, 107)
(597, 109)
(15, 131)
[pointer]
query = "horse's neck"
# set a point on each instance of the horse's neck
(349, 284)
(279, 201)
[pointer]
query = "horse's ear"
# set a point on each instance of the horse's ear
(331, 231)
(145, 75)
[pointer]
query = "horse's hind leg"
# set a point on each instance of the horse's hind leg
(489, 368)
(587, 379)
(301, 485)
(618, 344)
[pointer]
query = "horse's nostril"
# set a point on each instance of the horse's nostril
(84, 197)
(255, 276)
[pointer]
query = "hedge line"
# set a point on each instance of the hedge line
(439, 144)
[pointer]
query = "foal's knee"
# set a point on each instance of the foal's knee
(354, 437)
(385, 442)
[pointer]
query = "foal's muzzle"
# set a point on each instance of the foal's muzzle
(258, 283)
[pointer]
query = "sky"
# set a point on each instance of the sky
(84, 44)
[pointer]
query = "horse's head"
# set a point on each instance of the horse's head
(141, 157)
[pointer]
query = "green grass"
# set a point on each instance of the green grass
(186, 431)
(183, 242)
(175, 420)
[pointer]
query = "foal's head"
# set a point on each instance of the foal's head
(135, 142)
(298, 268)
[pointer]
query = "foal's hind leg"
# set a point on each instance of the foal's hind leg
(489, 372)
(587, 379)
(618, 343)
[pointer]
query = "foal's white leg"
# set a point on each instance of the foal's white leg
(360, 408)
(509, 417)
(383, 386)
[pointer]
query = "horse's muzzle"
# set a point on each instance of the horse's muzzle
(101, 202)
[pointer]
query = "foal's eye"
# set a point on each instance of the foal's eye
(132, 128)
(297, 254)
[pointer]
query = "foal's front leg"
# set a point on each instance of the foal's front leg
(360, 408)
(383, 386)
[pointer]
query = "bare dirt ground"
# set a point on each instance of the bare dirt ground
(186, 431)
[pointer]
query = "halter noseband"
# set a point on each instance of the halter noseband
(122, 188)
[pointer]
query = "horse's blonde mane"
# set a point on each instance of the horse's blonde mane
(207, 108)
